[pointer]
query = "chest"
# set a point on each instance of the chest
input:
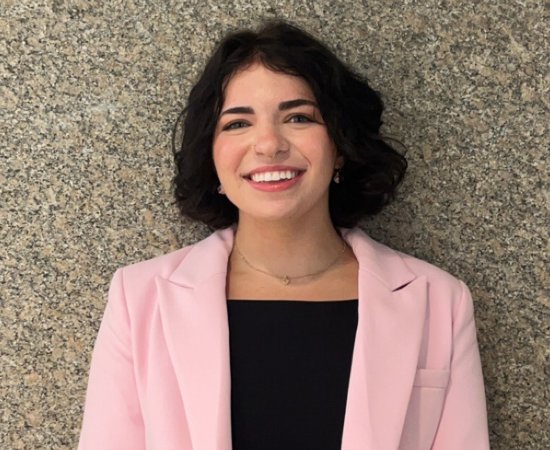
(338, 284)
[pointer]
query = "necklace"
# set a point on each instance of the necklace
(285, 279)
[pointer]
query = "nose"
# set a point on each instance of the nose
(270, 142)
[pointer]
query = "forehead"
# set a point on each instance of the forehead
(258, 82)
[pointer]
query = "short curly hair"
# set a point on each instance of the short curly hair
(351, 110)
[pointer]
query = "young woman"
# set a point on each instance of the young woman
(288, 327)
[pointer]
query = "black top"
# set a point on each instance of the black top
(290, 367)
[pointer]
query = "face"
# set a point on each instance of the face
(272, 152)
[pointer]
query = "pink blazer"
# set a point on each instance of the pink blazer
(160, 375)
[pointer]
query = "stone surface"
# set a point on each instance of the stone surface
(89, 92)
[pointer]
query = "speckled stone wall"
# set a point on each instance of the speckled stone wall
(89, 92)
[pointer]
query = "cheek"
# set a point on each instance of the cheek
(325, 153)
(219, 152)
(322, 142)
(226, 157)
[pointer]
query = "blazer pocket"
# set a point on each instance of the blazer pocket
(434, 378)
(424, 410)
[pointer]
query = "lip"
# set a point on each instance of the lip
(275, 186)
(278, 168)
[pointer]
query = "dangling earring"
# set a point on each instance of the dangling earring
(336, 177)
(221, 190)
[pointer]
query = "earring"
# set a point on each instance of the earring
(221, 190)
(336, 177)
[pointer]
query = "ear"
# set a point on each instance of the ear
(339, 163)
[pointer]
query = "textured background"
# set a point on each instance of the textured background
(89, 92)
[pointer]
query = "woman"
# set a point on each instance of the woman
(287, 328)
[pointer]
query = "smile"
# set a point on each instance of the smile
(265, 177)
(274, 180)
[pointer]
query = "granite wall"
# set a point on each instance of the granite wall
(89, 93)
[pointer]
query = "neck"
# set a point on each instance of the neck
(293, 248)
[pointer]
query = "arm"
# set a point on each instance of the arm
(463, 422)
(112, 412)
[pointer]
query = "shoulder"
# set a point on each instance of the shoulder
(212, 247)
(159, 266)
(393, 265)
(189, 265)
(433, 273)
(443, 287)
(448, 296)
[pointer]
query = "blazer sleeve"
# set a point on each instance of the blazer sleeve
(112, 413)
(463, 423)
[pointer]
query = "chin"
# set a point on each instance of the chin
(270, 214)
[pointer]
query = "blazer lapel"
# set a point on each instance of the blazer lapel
(194, 319)
(392, 308)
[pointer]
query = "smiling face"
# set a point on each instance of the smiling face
(272, 152)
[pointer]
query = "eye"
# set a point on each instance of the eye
(235, 125)
(300, 118)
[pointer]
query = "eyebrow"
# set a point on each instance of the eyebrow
(238, 110)
(294, 103)
(283, 106)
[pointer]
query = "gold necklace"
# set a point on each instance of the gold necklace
(286, 280)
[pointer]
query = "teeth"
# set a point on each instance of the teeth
(273, 176)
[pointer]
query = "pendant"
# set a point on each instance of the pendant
(286, 280)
